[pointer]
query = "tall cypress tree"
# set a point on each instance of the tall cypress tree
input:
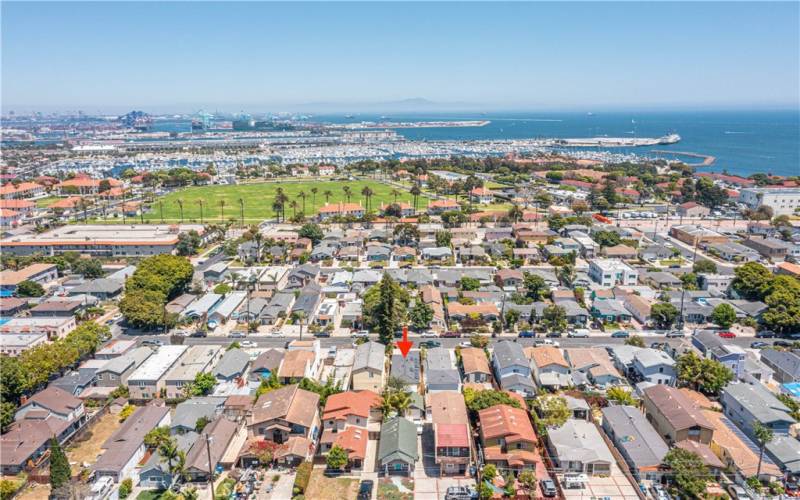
(60, 473)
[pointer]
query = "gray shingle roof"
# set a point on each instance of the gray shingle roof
(398, 441)
(369, 355)
(509, 353)
(635, 435)
(759, 402)
(406, 369)
(233, 363)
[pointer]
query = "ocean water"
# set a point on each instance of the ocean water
(743, 142)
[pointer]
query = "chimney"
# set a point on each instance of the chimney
(23, 399)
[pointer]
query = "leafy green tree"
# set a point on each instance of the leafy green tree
(29, 288)
(511, 318)
(406, 234)
(188, 243)
(202, 385)
(443, 238)
(156, 436)
(126, 412)
(635, 340)
(233, 345)
(751, 281)
(689, 281)
(201, 424)
(88, 268)
(7, 411)
(60, 472)
(554, 318)
(535, 286)
(620, 396)
(723, 315)
(125, 488)
(222, 289)
(168, 274)
(664, 314)
(704, 267)
(553, 410)
(789, 402)
(489, 472)
(783, 305)
(421, 315)
(337, 458)
(144, 308)
(607, 238)
(325, 390)
(480, 400)
(468, 284)
(702, 374)
(690, 473)
(479, 341)
(311, 231)
(387, 310)
(268, 384)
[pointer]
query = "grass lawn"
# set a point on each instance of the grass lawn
(88, 448)
(46, 201)
(258, 199)
(149, 495)
(387, 490)
(329, 488)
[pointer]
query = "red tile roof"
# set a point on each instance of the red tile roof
(339, 406)
(512, 424)
(452, 435)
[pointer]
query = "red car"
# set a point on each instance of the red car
(727, 335)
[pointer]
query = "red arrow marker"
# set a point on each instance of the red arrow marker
(404, 345)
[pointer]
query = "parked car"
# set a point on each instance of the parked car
(792, 489)
(365, 490)
(548, 487)
(738, 493)
(782, 343)
(247, 343)
(727, 335)
(526, 334)
(460, 493)
(466, 343)
(554, 334)
(579, 333)
(621, 334)
(451, 334)
(153, 342)
(429, 335)
(758, 345)
(237, 334)
(675, 334)
(659, 493)
(430, 344)
(361, 334)
(549, 342)
(765, 334)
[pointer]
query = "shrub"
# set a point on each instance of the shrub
(125, 487)
(303, 476)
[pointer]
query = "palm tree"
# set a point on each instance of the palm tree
(299, 317)
(241, 211)
(180, 207)
(258, 237)
(327, 194)
(190, 493)
(415, 192)
(314, 192)
(347, 193)
(277, 207)
(293, 205)
(200, 202)
(302, 194)
(395, 193)
(221, 210)
(367, 193)
(281, 199)
(168, 450)
(763, 435)
(515, 213)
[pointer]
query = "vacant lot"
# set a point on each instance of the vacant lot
(34, 491)
(88, 448)
(258, 199)
(326, 488)
(396, 488)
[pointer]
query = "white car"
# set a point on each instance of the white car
(429, 335)
(363, 334)
(466, 343)
(247, 343)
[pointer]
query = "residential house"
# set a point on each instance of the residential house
(637, 440)
(267, 363)
(125, 448)
(431, 296)
(102, 288)
(654, 366)
(692, 209)
(610, 311)
(475, 366)
(297, 365)
(197, 359)
(785, 451)
(38, 273)
(147, 381)
(785, 365)
(212, 444)
(349, 420)
(675, 416)
(397, 448)
(512, 369)
(610, 272)
(232, 365)
(550, 368)
(578, 447)
(715, 347)
(770, 248)
(369, 367)
(639, 307)
(284, 413)
(508, 439)
(594, 364)
(738, 452)
(189, 412)
(117, 370)
(155, 473)
(451, 435)
(440, 370)
(746, 404)
(407, 369)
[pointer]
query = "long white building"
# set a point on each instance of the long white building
(782, 201)
(611, 272)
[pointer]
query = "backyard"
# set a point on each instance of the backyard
(258, 199)
(87, 448)
(325, 488)
(396, 488)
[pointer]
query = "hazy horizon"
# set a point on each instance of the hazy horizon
(323, 57)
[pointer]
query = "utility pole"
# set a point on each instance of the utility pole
(210, 466)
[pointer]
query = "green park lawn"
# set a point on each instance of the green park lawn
(258, 199)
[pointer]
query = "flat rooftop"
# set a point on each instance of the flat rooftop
(112, 234)
(158, 363)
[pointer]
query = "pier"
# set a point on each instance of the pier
(708, 160)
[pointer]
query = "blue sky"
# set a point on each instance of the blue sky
(283, 56)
